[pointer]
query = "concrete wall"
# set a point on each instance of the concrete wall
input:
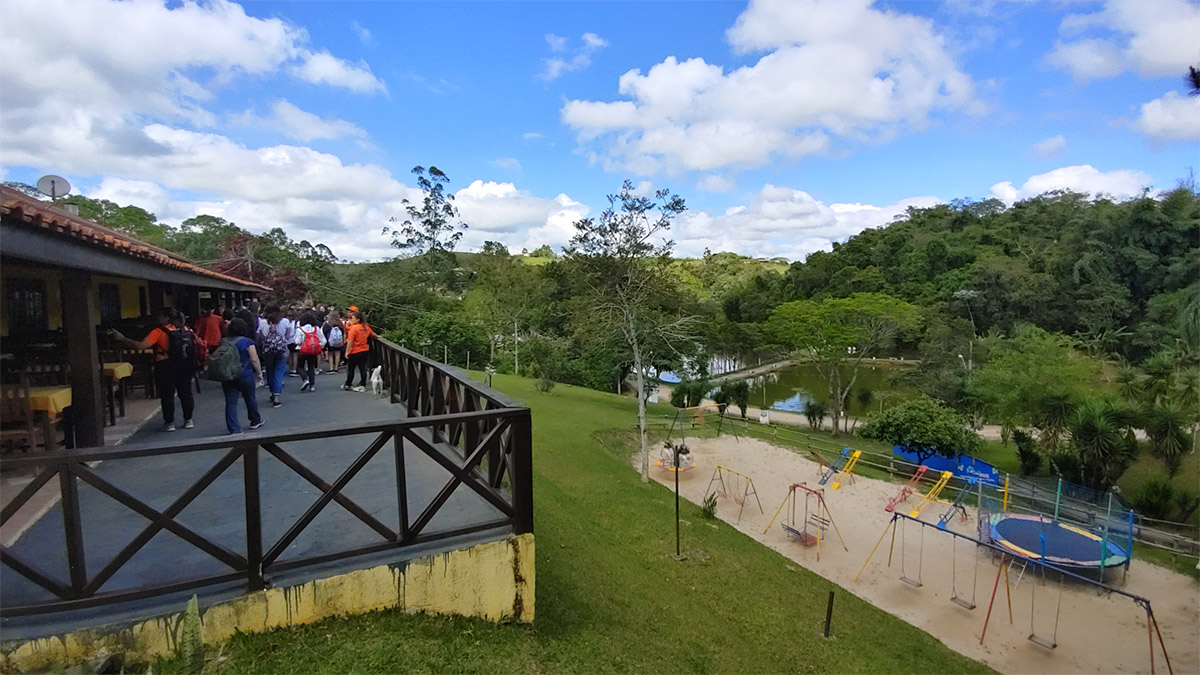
(494, 581)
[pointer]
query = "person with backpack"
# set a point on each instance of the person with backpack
(235, 364)
(358, 346)
(174, 364)
(274, 340)
(335, 341)
(310, 342)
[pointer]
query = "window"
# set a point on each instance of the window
(26, 306)
(110, 304)
(143, 305)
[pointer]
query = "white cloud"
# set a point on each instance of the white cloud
(507, 163)
(715, 182)
(145, 194)
(1048, 148)
(364, 35)
(325, 68)
(300, 125)
(835, 70)
(554, 67)
(1171, 118)
(1119, 184)
(783, 222)
(1153, 39)
(532, 135)
(501, 212)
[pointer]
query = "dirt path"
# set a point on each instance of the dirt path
(1096, 634)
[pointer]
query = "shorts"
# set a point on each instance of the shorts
(341, 349)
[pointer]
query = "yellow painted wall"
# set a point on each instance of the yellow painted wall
(130, 308)
(494, 581)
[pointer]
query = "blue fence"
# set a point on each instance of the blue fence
(963, 466)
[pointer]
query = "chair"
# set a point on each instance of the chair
(47, 374)
(16, 417)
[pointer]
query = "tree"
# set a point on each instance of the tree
(1166, 425)
(431, 229)
(543, 251)
(1192, 80)
(621, 269)
(837, 335)
(924, 426)
(1104, 444)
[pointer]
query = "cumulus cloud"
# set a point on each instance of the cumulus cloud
(783, 222)
(715, 182)
(1119, 184)
(532, 135)
(325, 68)
(1048, 148)
(1154, 40)
(300, 125)
(576, 58)
(507, 163)
(831, 71)
(1171, 118)
(145, 194)
(501, 212)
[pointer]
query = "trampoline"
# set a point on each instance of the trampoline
(1067, 546)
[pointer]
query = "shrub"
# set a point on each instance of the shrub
(708, 508)
(544, 385)
(815, 412)
(924, 426)
(1027, 453)
(689, 394)
(1155, 499)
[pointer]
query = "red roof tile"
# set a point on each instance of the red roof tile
(20, 206)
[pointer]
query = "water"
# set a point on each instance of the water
(789, 388)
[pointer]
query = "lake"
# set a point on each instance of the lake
(789, 388)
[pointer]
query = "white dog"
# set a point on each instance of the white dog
(377, 380)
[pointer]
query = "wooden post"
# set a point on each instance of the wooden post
(80, 318)
(520, 467)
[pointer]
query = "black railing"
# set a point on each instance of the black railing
(476, 435)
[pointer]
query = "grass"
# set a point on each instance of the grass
(609, 599)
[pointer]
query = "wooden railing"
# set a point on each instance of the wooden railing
(478, 436)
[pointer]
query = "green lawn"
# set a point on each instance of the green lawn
(608, 596)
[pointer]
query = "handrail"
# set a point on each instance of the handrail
(478, 436)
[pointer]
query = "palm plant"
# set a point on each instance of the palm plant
(1102, 434)
(815, 412)
(1167, 428)
(1192, 80)
(1160, 373)
(1054, 413)
(1129, 381)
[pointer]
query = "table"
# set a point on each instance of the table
(51, 402)
(115, 372)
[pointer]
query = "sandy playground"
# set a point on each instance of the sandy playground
(1096, 633)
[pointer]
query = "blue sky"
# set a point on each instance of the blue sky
(784, 125)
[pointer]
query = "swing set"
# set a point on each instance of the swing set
(816, 520)
(733, 485)
(900, 521)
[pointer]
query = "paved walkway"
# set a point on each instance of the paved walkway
(218, 513)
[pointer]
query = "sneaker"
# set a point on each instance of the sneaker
(345, 387)
(305, 386)
(187, 424)
(318, 371)
(257, 426)
(168, 427)
(293, 373)
(312, 387)
(275, 403)
(360, 388)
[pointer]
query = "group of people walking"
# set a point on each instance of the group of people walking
(248, 350)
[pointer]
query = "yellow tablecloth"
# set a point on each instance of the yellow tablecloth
(52, 400)
(119, 370)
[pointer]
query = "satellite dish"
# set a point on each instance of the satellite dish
(54, 186)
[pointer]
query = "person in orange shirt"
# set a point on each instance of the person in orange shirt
(208, 327)
(358, 345)
(174, 364)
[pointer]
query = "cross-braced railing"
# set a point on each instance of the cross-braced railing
(474, 435)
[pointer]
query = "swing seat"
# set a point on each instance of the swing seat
(911, 582)
(801, 536)
(1048, 643)
(962, 602)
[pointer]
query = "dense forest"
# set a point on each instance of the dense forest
(1032, 316)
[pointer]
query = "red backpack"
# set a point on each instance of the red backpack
(312, 342)
(201, 350)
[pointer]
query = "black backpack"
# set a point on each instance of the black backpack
(180, 346)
